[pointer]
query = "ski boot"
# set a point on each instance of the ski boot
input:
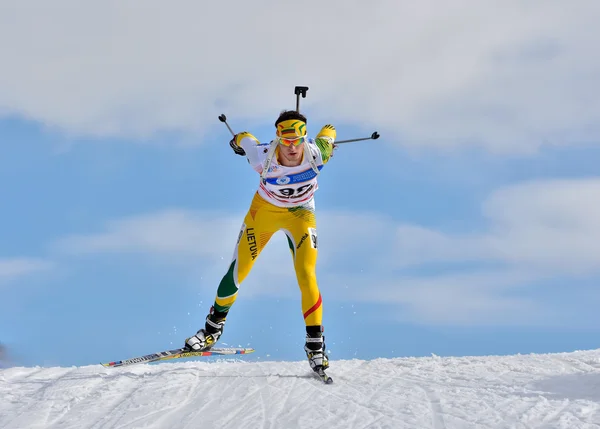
(315, 352)
(207, 337)
(315, 348)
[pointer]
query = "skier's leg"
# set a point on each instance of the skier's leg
(302, 237)
(301, 230)
(254, 235)
(305, 261)
(252, 239)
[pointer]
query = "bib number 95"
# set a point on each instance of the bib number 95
(295, 192)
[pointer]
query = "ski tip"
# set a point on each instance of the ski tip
(324, 377)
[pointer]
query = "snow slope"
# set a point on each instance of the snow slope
(523, 391)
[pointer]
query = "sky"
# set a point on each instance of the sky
(470, 227)
(558, 391)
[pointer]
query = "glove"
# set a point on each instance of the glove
(328, 131)
(237, 149)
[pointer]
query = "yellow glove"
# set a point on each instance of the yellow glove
(325, 141)
(328, 131)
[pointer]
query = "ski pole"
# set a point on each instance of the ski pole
(374, 136)
(223, 119)
(300, 90)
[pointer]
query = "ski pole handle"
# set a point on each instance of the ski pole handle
(374, 136)
(238, 150)
(223, 119)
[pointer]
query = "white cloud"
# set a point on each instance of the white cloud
(174, 232)
(537, 232)
(201, 240)
(552, 226)
(13, 268)
(483, 297)
(512, 74)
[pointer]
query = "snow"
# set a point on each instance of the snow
(522, 391)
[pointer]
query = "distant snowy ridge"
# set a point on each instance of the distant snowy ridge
(523, 391)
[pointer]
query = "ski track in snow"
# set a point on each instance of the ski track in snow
(553, 391)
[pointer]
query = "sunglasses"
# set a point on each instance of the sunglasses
(296, 141)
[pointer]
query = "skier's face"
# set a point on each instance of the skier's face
(291, 135)
(291, 155)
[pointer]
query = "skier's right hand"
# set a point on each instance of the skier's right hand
(237, 149)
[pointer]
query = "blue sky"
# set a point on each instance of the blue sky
(470, 227)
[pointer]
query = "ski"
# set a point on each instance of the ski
(320, 372)
(178, 354)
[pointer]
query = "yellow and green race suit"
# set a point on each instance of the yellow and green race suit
(284, 202)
